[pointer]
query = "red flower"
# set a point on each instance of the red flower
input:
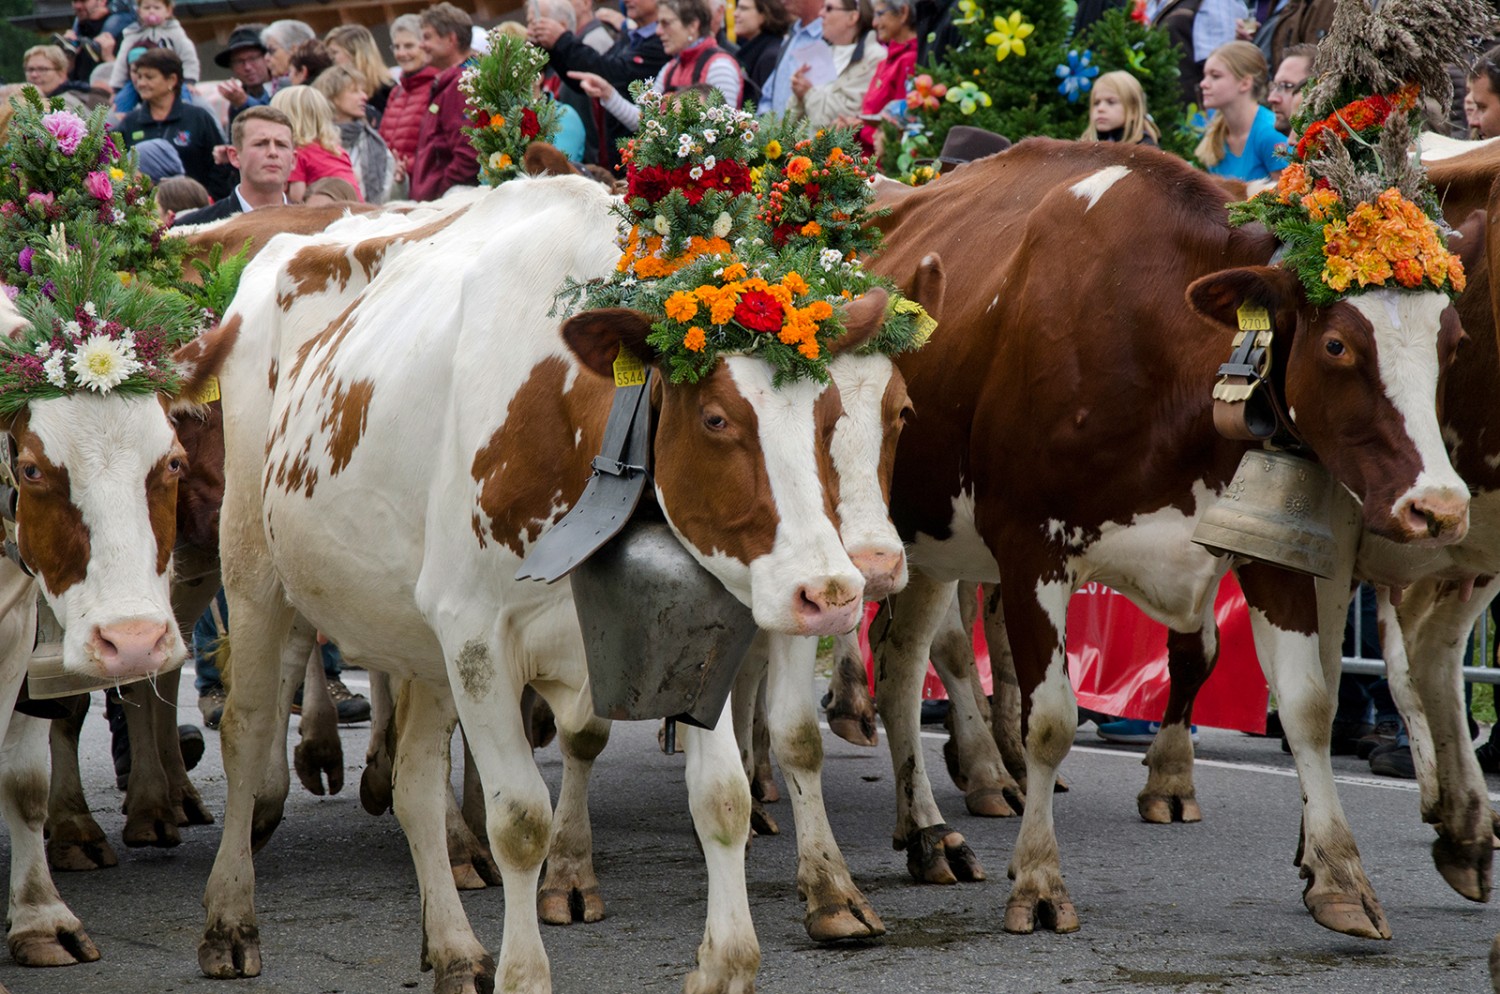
(651, 183)
(759, 311)
(812, 190)
(730, 176)
(481, 117)
(530, 126)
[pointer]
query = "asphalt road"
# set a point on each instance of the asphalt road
(1213, 907)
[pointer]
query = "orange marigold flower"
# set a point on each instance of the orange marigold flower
(782, 294)
(1293, 182)
(812, 229)
(694, 340)
(755, 283)
(797, 168)
(1338, 271)
(1456, 273)
(819, 310)
(721, 311)
(681, 306)
(1436, 266)
(809, 349)
(734, 271)
(1396, 241)
(1408, 272)
(1318, 203)
(794, 282)
(1371, 268)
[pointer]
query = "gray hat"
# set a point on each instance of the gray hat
(239, 38)
(158, 159)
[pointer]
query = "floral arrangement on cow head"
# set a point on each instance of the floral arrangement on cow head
(64, 169)
(505, 105)
(89, 332)
(1355, 210)
(814, 192)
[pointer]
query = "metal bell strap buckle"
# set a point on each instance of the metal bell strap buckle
(621, 471)
(1242, 407)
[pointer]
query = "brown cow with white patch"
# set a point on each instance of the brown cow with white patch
(1066, 436)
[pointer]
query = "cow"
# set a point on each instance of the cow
(1067, 437)
(458, 444)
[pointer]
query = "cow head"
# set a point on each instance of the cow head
(1361, 386)
(743, 473)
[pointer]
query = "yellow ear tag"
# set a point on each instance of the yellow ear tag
(1253, 317)
(210, 391)
(629, 371)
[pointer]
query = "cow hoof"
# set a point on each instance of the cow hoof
(854, 920)
(990, 802)
(230, 953)
(80, 855)
(375, 789)
(1159, 809)
(64, 947)
(857, 730)
(954, 762)
(1466, 866)
(465, 877)
(1349, 914)
(761, 822)
(314, 760)
(472, 976)
(151, 830)
(194, 811)
(1023, 914)
(939, 855)
(1060, 786)
(557, 906)
(763, 787)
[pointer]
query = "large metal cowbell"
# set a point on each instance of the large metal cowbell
(662, 637)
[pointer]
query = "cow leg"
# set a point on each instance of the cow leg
(150, 819)
(747, 704)
(75, 842)
(835, 907)
(935, 853)
(570, 890)
(267, 646)
(320, 751)
(473, 801)
(851, 709)
(1036, 610)
(1298, 637)
(1005, 709)
(762, 780)
(187, 804)
(469, 859)
(719, 799)
(1455, 801)
(1169, 794)
(375, 783)
(425, 718)
(971, 751)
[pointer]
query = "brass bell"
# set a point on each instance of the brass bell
(1275, 510)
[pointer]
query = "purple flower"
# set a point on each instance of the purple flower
(67, 128)
(107, 152)
(49, 290)
(23, 261)
(99, 187)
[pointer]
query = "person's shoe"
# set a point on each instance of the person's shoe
(68, 45)
(211, 705)
(1346, 736)
(1385, 733)
(1135, 731)
(190, 741)
(352, 707)
(1395, 761)
(1488, 755)
(934, 712)
(1097, 717)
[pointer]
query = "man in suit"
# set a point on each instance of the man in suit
(261, 149)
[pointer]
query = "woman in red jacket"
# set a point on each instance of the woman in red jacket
(895, 26)
(408, 101)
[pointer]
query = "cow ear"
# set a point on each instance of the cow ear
(1470, 240)
(199, 361)
(863, 317)
(928, 286)
(542, 159)
(1219, 296)
(596, 337)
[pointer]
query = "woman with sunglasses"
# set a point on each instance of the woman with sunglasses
(856, 55)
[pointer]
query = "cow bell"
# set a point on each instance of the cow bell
(46, 678)
(663, 638)
(1275, 510)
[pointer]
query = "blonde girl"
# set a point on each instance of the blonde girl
(352, 45)
(319, 152)
(1117, 111)
(1241, 139)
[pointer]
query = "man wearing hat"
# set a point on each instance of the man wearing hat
(245, 56)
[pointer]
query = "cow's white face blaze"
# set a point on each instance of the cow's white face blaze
(875, 404)
(757, 447)
(96, 522)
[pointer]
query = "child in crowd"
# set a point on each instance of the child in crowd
(329, 191)
(1117, 111)
(155, 27)
(319, 152)
(178, 195)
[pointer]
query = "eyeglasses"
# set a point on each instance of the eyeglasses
(884, 11)
(1284, 87)
(40, 70)
(834, 8)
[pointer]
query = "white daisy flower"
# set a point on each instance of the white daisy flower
(709, 162)
(90, 309)
(830, 258)
(722, 224)
(53, 370)
(43, 349)
(696, 172)
(662, 225)
(710, 136)
(101, 363)
(72, 329)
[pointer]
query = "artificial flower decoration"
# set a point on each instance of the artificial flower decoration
(1009, 36)
(969, 97)
(504, 106)
(1077, 75)
(924, 94)
(969, 11)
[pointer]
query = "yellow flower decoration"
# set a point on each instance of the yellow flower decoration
(773, 149)
(694, 340)
(116, 173)
(1009, 36)
(497, 122)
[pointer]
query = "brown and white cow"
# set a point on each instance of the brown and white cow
(1067, 437)
(388, 466)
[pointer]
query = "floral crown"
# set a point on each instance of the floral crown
(90, 331)
(507, 117)
(1355, 210)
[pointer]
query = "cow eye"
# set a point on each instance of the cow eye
(1334, 347)
(715, 422)
(31, 471)
(175, 465)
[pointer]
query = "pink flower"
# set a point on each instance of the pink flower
(67, 127)
(44, 199)
(99, 187)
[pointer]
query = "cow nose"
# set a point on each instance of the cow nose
(1439, 517)
(132, 648)
(883, 571)
(829, 608)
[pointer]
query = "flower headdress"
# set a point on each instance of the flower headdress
(815, 193)
(507, 117)
(91, 332)
(1355, 210)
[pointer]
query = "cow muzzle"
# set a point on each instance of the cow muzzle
(884, 571)
(131, 649)
(827, 608)
(1439, 516)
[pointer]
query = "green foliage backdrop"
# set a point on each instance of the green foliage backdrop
(13, 40)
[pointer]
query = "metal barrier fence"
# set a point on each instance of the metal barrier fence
(1483, 649)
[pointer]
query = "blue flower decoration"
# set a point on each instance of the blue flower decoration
(1077, 75)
